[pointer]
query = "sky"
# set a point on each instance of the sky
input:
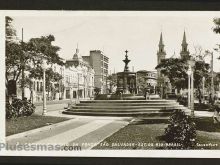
(115, 32)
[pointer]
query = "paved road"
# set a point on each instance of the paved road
(86, 132)
(50, 108)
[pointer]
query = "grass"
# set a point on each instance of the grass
(206, 124)
(22, 124)
(140, 136)
(203, 107)
(145, 136)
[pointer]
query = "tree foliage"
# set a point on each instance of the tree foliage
(42, 48)
(30, 55)
(176, 70)
(50, 76)
(10, 32)
(216, 30)
(181, 130)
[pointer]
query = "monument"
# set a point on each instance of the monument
(126, 80)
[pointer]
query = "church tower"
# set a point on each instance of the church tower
(184, 53)
(161, 54)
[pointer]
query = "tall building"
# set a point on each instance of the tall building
(184, 53)
(163, 84)
(99, 62)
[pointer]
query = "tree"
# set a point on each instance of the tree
(142, 82)
(13, 55)
(176, 70)
(112, 82)
(41, 48)
(31, 54)
(201, 70)
(216, 30)
(52, 78)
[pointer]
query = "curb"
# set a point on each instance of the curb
(44, 128)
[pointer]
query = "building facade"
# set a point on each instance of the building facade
(77, 81)
(78, 78)
(99, 62)
(146, 80)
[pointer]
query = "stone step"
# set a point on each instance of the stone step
(132, 108)
(122, 110)
(126, 107)
(126, 104)
(127, 101)
(132, 114)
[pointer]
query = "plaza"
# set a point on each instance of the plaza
(69, 95)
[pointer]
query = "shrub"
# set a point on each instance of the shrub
(182, 100)
(10, 111)
(19, 108)
(181, 130)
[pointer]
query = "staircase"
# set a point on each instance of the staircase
(125, 108)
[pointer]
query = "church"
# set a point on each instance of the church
(163, 83)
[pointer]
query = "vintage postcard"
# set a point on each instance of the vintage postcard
(110, 83)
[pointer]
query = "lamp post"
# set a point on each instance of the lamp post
(189, 72)
(212, 80)
(77, 94)
(203, 89)
(44, 65)
(191, 63)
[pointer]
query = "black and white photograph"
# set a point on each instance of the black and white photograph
(77, 82)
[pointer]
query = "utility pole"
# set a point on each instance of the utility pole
(212, 80)
(189, 86)
(23, 66)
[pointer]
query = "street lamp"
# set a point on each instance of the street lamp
(189, 72)
(44, 65)
(191, 63)
(203, 89)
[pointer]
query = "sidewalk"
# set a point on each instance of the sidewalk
(50, 108)
(84, 132)
(65, 101)
(200, 113)
(53, 105)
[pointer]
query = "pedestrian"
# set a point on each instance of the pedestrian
(147, 95)
(211, 101)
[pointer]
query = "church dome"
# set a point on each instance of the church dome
(77, 56)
